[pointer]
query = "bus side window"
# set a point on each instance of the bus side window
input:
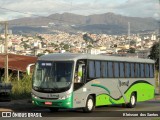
(151, 67)
(104, 70)
(91, 69)
(132, 70)
(147, 70)
(142, 70)
(122, 70)
(80, 72)
(127, 70)
(137, 70)
(116, 69)
(110, 69)
(97, 69)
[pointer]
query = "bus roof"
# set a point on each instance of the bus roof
(71, 56)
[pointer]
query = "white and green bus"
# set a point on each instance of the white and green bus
(86, 81)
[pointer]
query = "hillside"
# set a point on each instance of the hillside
(108, 23)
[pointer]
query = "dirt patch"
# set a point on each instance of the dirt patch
(17, 105)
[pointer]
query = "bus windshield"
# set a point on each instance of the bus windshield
(52, 76)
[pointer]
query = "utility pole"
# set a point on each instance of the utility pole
(5, 23)
(129, 33)
(6, 51)
(159, 47)
(159, 53)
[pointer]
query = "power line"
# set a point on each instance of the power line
(54, 19)
(35, 15)
(51, 11)
(19, 11)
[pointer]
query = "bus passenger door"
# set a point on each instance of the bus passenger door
(79, 82)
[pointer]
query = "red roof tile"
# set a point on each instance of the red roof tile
(17, 62)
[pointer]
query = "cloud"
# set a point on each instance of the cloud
(139, 8)
(136, 8)
(35, 6)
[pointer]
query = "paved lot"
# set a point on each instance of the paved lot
(26, 105)
(114, 112)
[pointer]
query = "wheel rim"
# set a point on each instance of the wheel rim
(133, 100)
(90, 104)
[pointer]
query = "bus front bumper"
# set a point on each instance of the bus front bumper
(66, 103)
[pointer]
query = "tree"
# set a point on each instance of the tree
(133, 42)
(154, 53)
(87, 38)
(66, 46)
(131, 50)
(25, 45)
(40, 54)
(54, 45)
(115, 45)
(89, 46)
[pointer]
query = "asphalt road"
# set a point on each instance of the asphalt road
(147, 108)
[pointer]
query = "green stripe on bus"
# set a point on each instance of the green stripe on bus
(144, 91)
(101, 86)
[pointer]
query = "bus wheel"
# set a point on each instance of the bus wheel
(132, 102)
(54, 109)
(89, 104)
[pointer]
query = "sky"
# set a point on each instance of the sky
(14, 9)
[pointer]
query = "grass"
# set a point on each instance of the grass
(21, 89)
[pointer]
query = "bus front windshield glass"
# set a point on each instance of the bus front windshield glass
(52, 76)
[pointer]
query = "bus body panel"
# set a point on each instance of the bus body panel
(109, 91)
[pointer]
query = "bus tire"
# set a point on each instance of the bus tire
(90, 104)
(53, 109)
(132, 101)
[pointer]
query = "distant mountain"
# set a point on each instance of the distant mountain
(108, 23)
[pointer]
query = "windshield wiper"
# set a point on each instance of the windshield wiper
(54, 89)
(50, 89)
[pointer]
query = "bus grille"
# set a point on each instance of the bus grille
(48, 98)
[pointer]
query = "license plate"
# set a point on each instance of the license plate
(48, 103)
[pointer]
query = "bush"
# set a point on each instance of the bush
(21, 89)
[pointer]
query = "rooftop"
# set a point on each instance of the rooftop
(71, 56)
(17, 62)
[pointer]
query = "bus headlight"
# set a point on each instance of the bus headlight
(64, 97)
(34, 96)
